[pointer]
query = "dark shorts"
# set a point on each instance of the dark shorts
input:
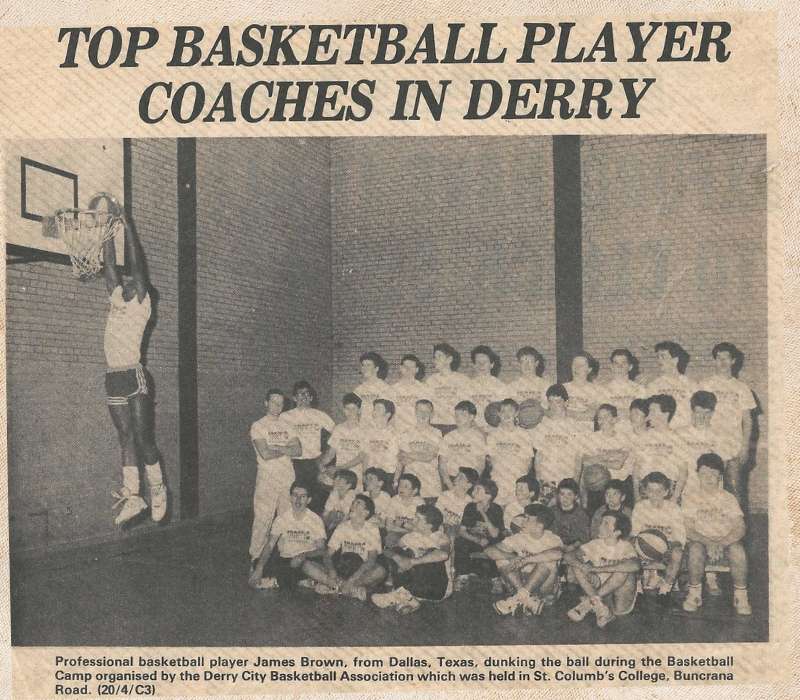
(124, 384)
(346, 563)
(280, 568)
(426, 581)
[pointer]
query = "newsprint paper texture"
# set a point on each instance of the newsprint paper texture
(314, 181)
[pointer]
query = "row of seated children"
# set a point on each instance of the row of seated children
(413, 544)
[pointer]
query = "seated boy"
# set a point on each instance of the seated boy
(656, 512)
(340, 499)
(714, 531)
(402, 510)
(528, 563)
(418, 566)
(296, 536)
(570, 521)
(526, 491)
(481, 525)
(452, 503)
(375, 481)
(605, 569)
(615, 500)
(350, 565)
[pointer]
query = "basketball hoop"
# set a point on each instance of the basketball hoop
(84, 231)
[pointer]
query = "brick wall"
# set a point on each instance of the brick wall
(674, 247)
(264, 294)
(63, 450)
(440, 239)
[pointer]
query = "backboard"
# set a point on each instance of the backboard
(40, 177)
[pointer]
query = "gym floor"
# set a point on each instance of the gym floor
(187, 586)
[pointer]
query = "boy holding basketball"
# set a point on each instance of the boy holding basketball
(714, 532)
(605, 457)
(128, 384)
(656, 512)
(605, 569)
(528, 563)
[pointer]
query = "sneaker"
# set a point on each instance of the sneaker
(409, 606)
(532, 605)
(158, 502)
(694, 599)
(741, 602)
(391, 599)
(267, 584)
(322, 589)
(602, 613)
(712, 584)
(360, 593)
(309, 583)
(581, 610)
(132, 504)
(507, 606)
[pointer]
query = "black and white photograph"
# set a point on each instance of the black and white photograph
(388, 391)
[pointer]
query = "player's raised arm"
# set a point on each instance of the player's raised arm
(110, 271)
(136, 257)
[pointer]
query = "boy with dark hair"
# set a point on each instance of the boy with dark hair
(672, 380)
(275, 442)
(557, 443)
(350, 562)
(526, 491)
(616, 498)
(297, 535)
(464, 446)
(620, 390)
(656, 512)
(376, 482)
(402, 509)
(528, 563)
(311, 425)
(714, 532)
(346, 444)
(408, 391)
(340, 499)
(607, 448)
(584, 394)
(419, 450)
(418, 565)
(380, 440)
(453, 502)
(734, 414)
(374, 370)
(605, 569)
(509, 451)
(660, 448)
(570, 521)
(481, 526)
(447, 386)
(485, 387)
(530, 384)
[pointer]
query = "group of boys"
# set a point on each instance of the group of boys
(526, 510)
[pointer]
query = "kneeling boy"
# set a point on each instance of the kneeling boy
(528, 563)
(350, 566)
(419, 564)
(605, 569)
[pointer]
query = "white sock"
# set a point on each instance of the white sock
(153, 472)
(130, 479)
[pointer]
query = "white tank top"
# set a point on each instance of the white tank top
(124, 329)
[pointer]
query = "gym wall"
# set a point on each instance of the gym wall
(445, 239)
(674, 248)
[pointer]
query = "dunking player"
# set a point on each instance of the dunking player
(128, 384)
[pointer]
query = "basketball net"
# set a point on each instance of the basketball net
(84, 231)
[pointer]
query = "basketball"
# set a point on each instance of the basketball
(530, 414)
(651, 545)
(492, 414)
(595, 476)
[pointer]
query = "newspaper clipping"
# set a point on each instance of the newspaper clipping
(394, 349)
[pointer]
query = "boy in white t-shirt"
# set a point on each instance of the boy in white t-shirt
(346, 444)
(530, 384)
(419, 450)
(374, 370)
(584, 395)
(620, 390)
(734, 414)
(340, 499)
(452, 503)
(275, 442)
(485, 387)
(463, 447)
(714, 531)
(380, 440)
(350, 562)
(509, 452)
(526, 491)
(447, 386)
(297, 535)
(402, 509)
(375, 483)
(528, 563)
(656, 512)
(607, 446)
(408, 391)
(605, 569)
(672, 380)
